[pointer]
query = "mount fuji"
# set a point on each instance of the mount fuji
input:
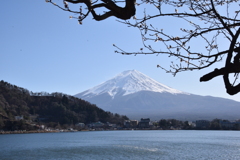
(136, 95)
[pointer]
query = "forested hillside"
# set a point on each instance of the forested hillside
(50, 109)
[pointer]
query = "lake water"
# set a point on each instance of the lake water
(127, 145)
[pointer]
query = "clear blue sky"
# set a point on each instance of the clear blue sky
(43, 50)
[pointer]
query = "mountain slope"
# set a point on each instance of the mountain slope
(134, 94)
(128, 82)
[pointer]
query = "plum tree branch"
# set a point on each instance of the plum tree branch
(207, 27)
(123, 13)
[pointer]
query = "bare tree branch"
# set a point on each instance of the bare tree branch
(209, 23)
(123, 13)
(229, 87)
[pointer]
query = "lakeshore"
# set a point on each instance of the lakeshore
(27, 132)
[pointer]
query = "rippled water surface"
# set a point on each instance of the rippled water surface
(162, 145)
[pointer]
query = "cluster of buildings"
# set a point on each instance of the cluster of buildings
(146, 123)
(143, 123)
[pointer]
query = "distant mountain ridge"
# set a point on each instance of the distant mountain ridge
(136, 95)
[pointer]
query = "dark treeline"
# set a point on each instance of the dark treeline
(215, 124)
(53, 109)
(173, 123)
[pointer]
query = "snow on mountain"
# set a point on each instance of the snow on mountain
(129, 82)
(136, 95)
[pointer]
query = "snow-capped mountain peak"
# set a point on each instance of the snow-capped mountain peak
(135, 95)
(128, 82)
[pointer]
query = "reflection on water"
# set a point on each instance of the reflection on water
(165, 145)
